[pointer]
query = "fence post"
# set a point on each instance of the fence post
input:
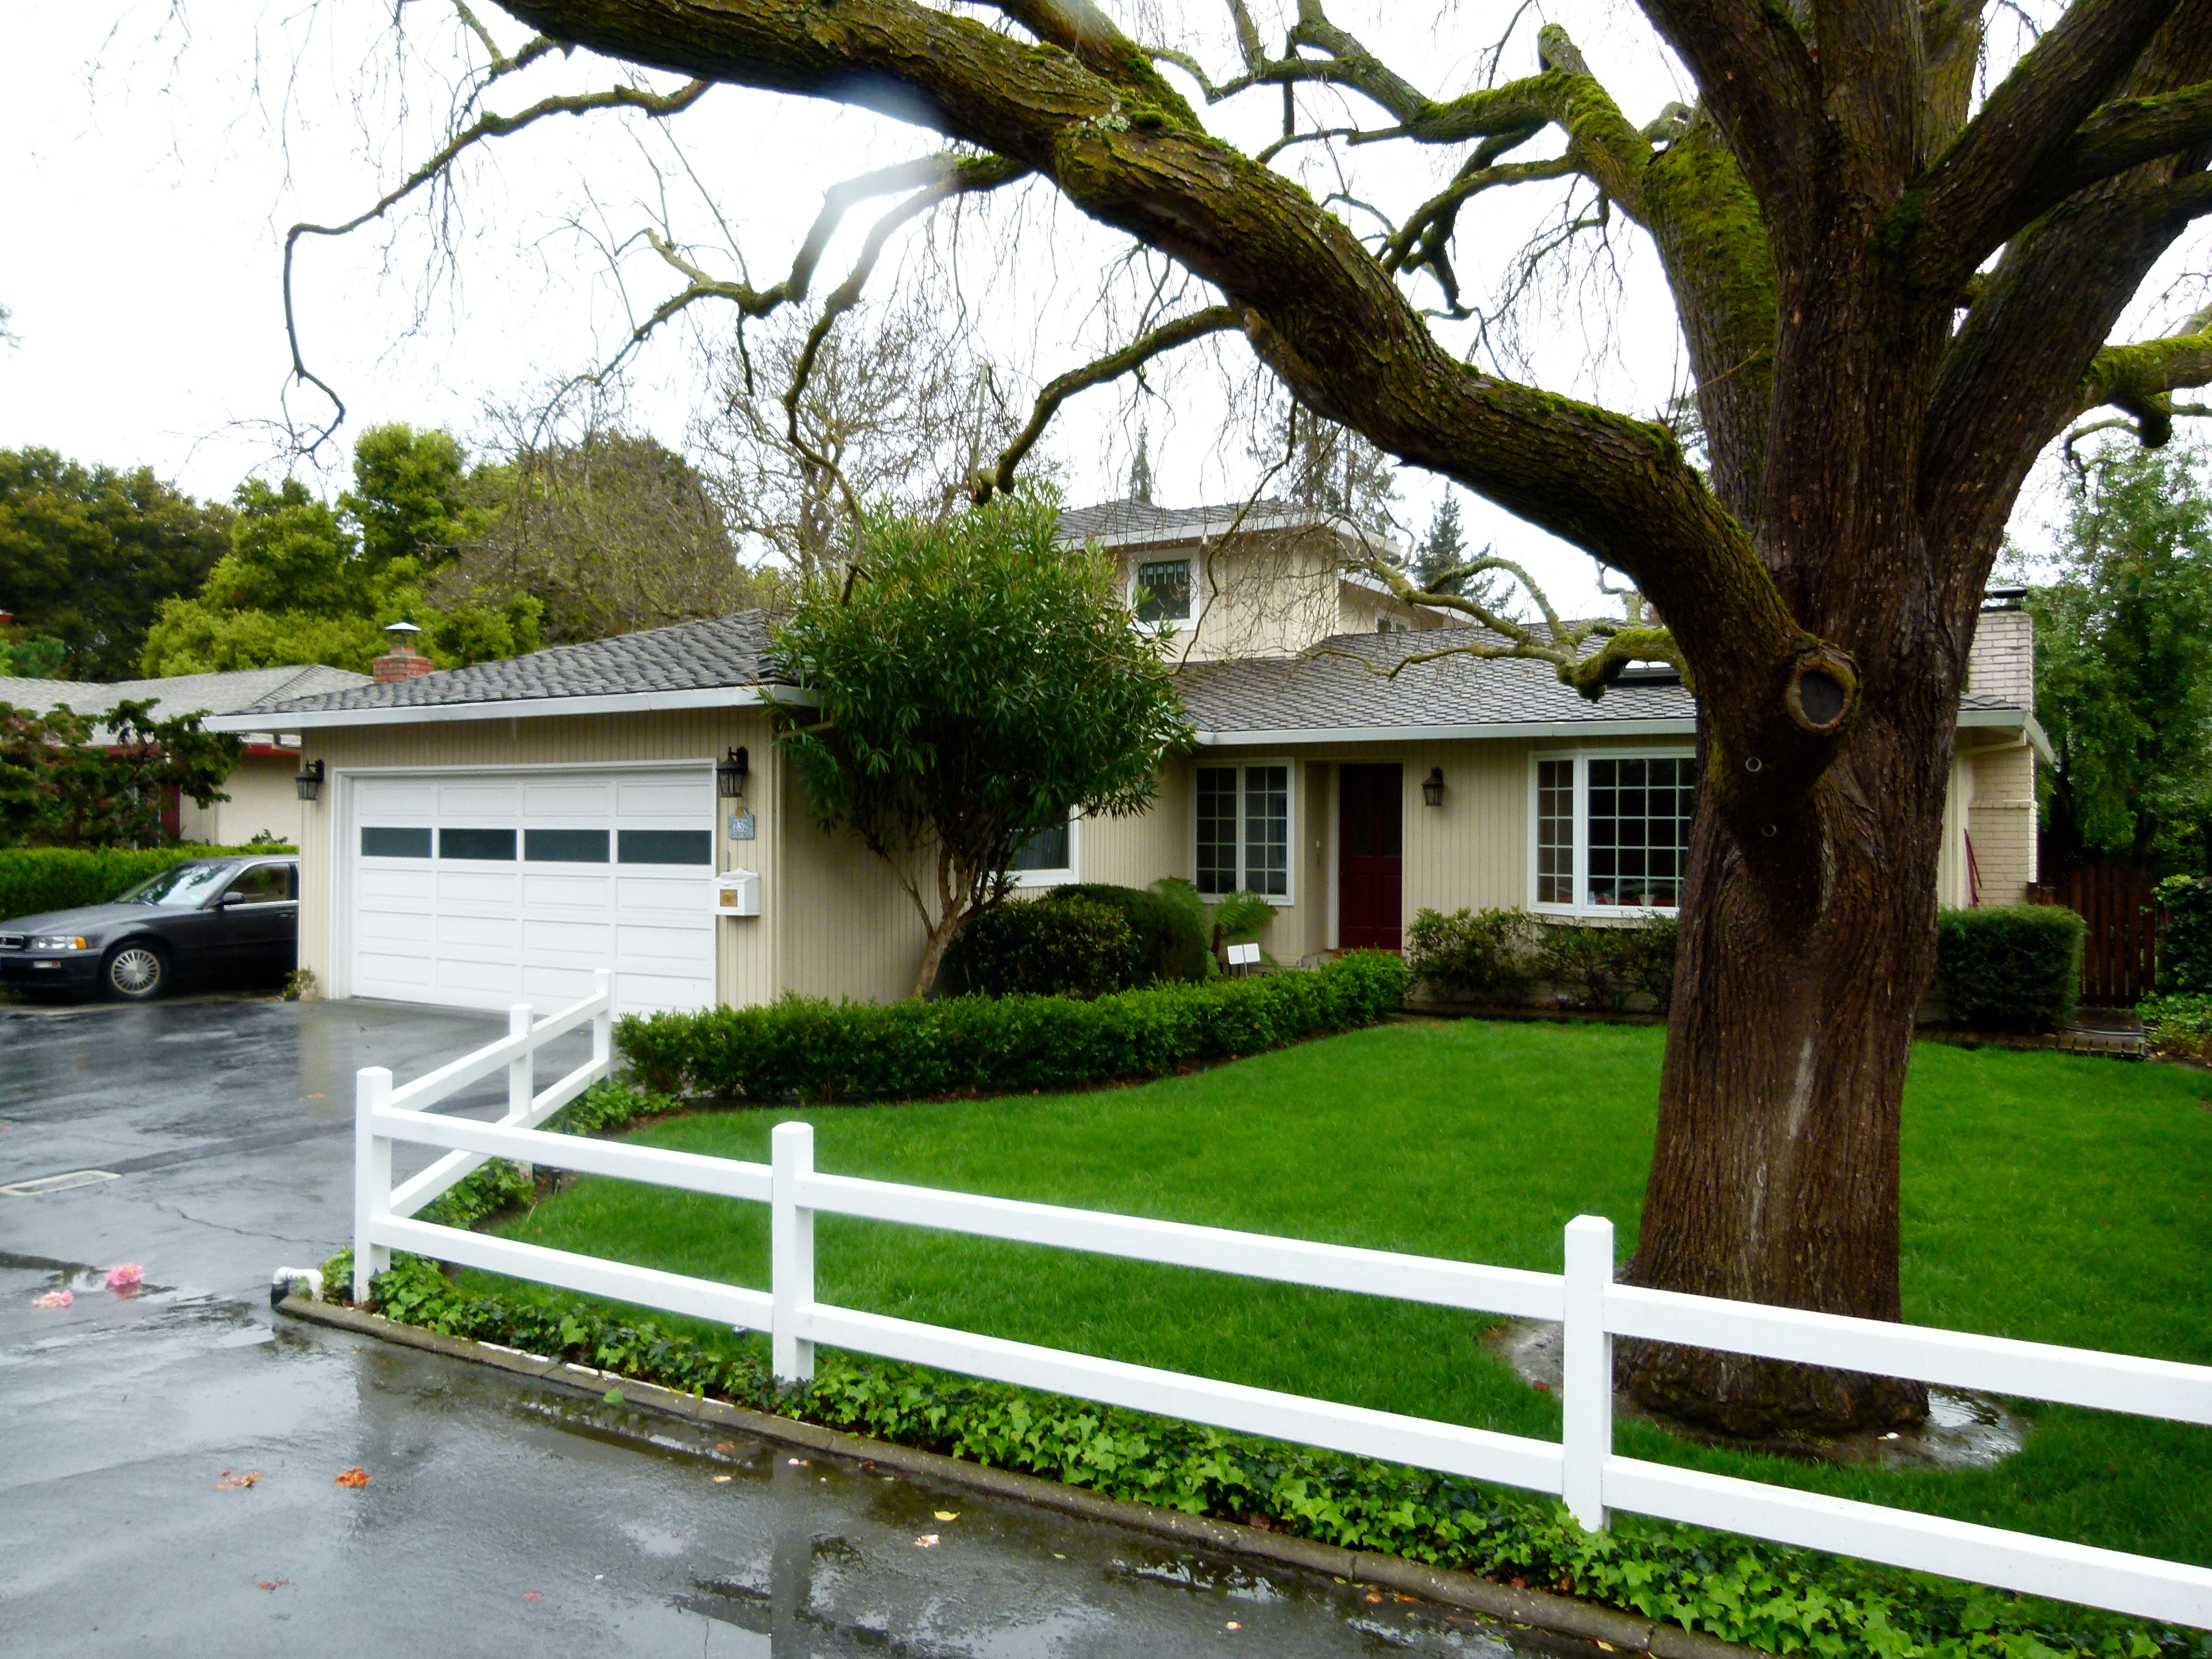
(1586, 1370)
(372, 1177)
(791, 1247)
(522, 1070)
(603, 1024)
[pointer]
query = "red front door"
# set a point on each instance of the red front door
(1370, 857)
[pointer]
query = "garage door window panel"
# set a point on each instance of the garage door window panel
(667, 846)
(564, 846)
(394, 842)
(479, 846)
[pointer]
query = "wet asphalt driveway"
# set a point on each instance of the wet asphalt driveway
(499, 1517)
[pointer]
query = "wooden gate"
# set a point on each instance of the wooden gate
(2119, 951)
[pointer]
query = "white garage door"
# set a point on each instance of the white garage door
(481, 890)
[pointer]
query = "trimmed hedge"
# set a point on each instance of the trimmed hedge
(816, 1050)
(2009, 968)
(1055, 945)
(39, 878)
(1501, 956)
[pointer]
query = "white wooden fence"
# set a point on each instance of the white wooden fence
(1582, 1469)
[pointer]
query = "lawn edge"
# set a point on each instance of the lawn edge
(1541, 1609)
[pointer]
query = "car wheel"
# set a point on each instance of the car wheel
(134, 972)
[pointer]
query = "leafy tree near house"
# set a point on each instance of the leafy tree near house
(2124, 665)
(610, 531)
(305, 580)
(67, 781)
(89, 553)
(977, 682)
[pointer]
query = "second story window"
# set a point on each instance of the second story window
(1163, 592)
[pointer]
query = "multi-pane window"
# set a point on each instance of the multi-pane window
(1555, 832)
(1613, 831)
(1163, 591)
(1244, 829)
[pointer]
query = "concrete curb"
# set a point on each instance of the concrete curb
(1539, 1609)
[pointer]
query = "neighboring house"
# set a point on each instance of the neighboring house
(263, 800)
(493, 833)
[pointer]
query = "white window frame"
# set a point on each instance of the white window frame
(1582, 758)
(1289, 896)
(1172, 626)
(1072, 873)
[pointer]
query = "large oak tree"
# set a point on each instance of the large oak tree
(1897, 281)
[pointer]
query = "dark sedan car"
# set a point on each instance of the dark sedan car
(232, 919)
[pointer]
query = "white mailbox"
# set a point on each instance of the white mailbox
(737, 893)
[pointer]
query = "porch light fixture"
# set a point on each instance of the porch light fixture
(309, 783)
(1432, 786)
(730, 774)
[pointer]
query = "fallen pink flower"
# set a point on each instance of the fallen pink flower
(53, 1300)
(126, 1277)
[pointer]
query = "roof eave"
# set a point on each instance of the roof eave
(1458, 731)
(624, 703)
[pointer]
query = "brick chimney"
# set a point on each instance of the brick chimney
(402, 661)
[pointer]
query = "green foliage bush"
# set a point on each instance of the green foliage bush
(37, 878)
(1607, 967)
(2179, 1024)
(2009, 968)
(825, 1051)
(1499, 955)
(1049, 946)
(1241, 917)
(2185, 959)
(1085, 940)
(1482, 954)
(1777, 1599)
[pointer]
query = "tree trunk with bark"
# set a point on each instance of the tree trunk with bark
(1895, 291)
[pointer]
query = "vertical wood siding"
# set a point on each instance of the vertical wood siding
(849, 930)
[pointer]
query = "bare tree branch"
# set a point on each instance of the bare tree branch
(1134, 355)
(656, 106)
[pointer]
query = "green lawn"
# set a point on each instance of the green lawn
(2046, 1197)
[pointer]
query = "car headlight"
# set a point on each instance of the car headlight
(59, 942)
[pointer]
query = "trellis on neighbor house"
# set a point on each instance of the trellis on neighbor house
(1581, 1467)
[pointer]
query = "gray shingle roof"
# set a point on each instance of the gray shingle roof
(1343, 683)
(225, 693)
(1136, 524)
(723, 650)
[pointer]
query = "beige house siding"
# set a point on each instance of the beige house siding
(263, 800)
(2001, 817)
(746, 968)
(1271, 596)
(849, 929)
(1137, 850)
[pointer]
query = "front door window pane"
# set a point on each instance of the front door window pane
(1267, 830)
(1217, 828)
(1163, 591)
(1555, 832)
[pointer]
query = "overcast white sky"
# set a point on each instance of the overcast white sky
(157, 156)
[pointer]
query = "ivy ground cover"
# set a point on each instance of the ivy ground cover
(2046, 1197)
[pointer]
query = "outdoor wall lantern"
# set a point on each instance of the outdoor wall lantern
(309, 783)
(730, 774)
(1432, 786)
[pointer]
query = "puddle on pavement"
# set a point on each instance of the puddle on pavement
(1963, 1431)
